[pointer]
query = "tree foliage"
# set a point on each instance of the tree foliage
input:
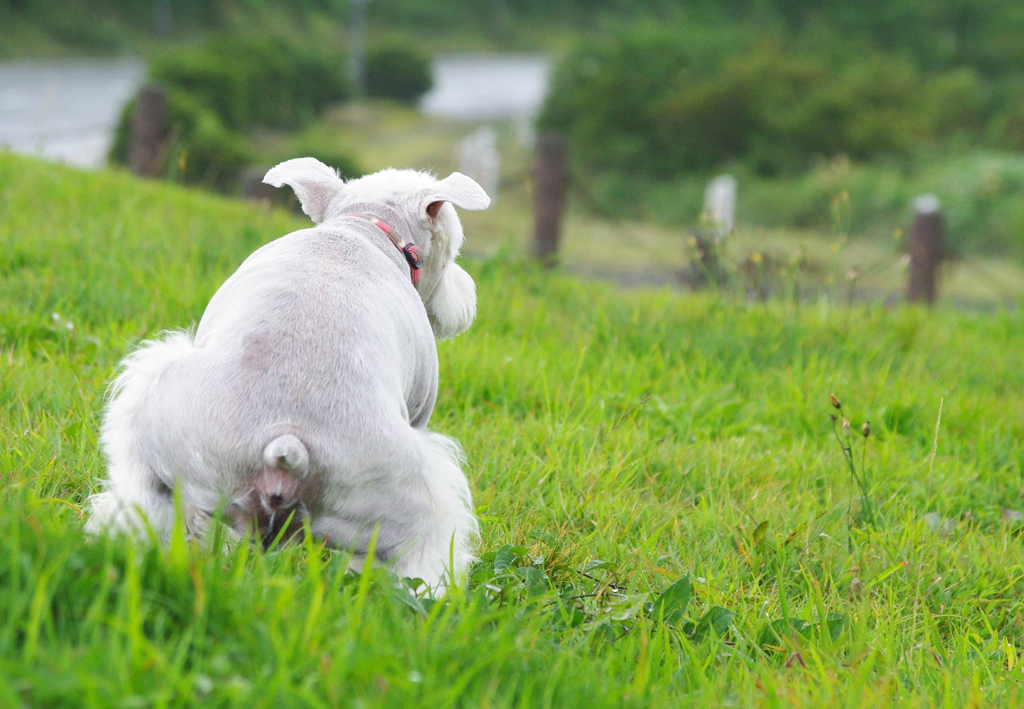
(397, 72)
(664, 99)
(219, 91)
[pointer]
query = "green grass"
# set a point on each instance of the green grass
(671, 436)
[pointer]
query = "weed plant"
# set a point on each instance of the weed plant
(665, 516)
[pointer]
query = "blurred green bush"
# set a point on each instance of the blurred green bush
(200, 149)
(800, 112)
(223, 89)
(250, 81)
(664, 101)
(397, 72)
(323, 142)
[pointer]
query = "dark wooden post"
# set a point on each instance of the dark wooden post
(550, 181)
(149, 132)
(925, 249)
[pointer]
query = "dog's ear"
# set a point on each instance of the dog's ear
(314, 183)
(458, 189)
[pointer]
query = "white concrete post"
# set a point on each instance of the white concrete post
(720, 205)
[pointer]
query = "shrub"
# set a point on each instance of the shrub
(666, 100)
(220, 90)
(216, 81)
(199, 150)
(603, 95)
(256, 81)
(322, 142)
(397, 72)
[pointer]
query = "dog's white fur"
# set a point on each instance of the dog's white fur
(312, 374)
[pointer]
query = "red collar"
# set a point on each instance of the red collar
(410, 250)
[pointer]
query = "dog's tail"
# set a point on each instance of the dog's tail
(285, 464)
(278, 489)
(286, 454)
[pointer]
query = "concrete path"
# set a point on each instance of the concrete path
(486, 87)
(65, 110)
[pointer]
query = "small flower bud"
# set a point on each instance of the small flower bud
(866, 429)
(834, 401)
(846, 427)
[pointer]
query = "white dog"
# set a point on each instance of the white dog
(306, 390)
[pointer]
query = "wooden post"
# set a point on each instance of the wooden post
(550, 181)
(925, 249)
(149, 132)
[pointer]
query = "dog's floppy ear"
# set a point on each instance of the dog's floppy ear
(458, 189)
(314, 183)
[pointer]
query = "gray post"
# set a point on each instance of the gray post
(720, 205)
(925, 249)
(148, 132)
(551, 179)
(162, 18)
(357, 47)
(719, 217)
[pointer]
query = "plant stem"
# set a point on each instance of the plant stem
(848, 455)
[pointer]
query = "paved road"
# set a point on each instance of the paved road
(480, 87)
(66, 110)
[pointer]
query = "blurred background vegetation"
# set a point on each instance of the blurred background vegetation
(832, 115)
(804, 101)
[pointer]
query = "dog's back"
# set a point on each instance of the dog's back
(277, 352)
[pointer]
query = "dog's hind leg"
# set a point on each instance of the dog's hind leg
(443, 553)
(424, 524)
(134, 498)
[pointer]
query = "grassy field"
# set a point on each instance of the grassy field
(668, 517)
